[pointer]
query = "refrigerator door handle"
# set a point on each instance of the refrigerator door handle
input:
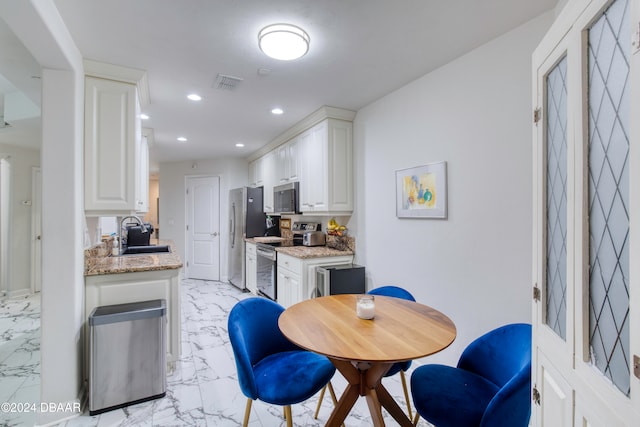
(232, 225)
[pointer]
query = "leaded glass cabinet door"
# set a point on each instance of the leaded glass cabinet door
(587, 201)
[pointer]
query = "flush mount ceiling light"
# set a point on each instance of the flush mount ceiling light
(182, 139)
(277, 111)
(283, 41)
(144, 117)
(194, 97)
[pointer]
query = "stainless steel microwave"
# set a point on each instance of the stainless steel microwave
(285, 198)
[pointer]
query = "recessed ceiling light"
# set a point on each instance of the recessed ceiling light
(144, 117)
(277, 111)
(239, 145)
(182, 139)
(283, 41)
(194, 97)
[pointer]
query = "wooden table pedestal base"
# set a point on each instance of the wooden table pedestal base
(365, 379)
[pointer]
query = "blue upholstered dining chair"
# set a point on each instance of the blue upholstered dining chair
(490, 387)
(402, 367)
(270, 367)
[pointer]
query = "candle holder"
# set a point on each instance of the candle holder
(365, 307)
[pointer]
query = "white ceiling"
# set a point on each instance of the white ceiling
(360, 50)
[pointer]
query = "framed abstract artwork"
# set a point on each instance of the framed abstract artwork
(421, 191)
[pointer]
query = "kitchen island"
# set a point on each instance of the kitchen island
(133, 278)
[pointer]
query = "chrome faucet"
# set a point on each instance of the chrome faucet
(144, 229)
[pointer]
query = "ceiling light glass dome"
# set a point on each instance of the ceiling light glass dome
(283, 41)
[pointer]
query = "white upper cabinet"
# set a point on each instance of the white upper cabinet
(115, 155)
(326, 176)
(268, 164)
(318, 153)
(288, 162)
(110, 146)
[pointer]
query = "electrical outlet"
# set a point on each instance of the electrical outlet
(636, 366)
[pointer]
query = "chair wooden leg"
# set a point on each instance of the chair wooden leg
(333, 394)
(247, 412)
(406, 393)
(315, 416)
(287, 415)
(416, 419)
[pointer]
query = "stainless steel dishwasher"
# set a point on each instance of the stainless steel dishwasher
(127, 354)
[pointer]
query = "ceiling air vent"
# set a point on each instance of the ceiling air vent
(227, 82)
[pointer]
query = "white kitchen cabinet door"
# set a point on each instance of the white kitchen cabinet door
(289, 289)
(111, 142)
(287, 162)
(251, 266)
(326, 175)
(255, 173)
(268, 163)
(313, 179)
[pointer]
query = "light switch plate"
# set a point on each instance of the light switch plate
(636, 366)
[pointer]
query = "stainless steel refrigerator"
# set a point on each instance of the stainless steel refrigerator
(246, 219)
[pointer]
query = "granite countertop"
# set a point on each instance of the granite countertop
(311, 251)
(97, 261)
(306, 252)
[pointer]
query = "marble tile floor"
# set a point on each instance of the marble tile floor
(19, 355)
(202, 391)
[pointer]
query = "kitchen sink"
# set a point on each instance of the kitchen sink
(141, 250)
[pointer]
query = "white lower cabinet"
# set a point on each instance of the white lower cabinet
(251, 265)
(297, 276)
(110, 289)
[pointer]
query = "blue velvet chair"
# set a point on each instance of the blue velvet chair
(270, 367)
(490, 387)
(402, 367)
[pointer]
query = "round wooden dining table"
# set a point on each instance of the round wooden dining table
(364, 350)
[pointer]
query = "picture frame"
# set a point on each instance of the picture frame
(421, 191)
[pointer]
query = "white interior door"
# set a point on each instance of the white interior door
(203, 228)
(587, 166)
(36, 230)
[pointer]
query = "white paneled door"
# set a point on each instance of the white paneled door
(203, 228)
(586, 136)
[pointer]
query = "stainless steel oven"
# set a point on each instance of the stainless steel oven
(266, 268)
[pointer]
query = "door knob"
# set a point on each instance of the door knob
(214, 234)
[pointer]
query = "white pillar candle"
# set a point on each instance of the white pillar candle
(365, 307)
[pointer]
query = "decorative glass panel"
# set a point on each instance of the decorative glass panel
(556, 283)
(609, 194)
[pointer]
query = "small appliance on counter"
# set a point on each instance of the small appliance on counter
(273, 226)
(300, 228)
(138, 235)
(314, 238)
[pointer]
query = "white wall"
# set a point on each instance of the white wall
(233, 173)
(474, 113)
(22, 161)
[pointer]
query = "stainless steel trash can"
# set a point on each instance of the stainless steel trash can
(127, 354)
